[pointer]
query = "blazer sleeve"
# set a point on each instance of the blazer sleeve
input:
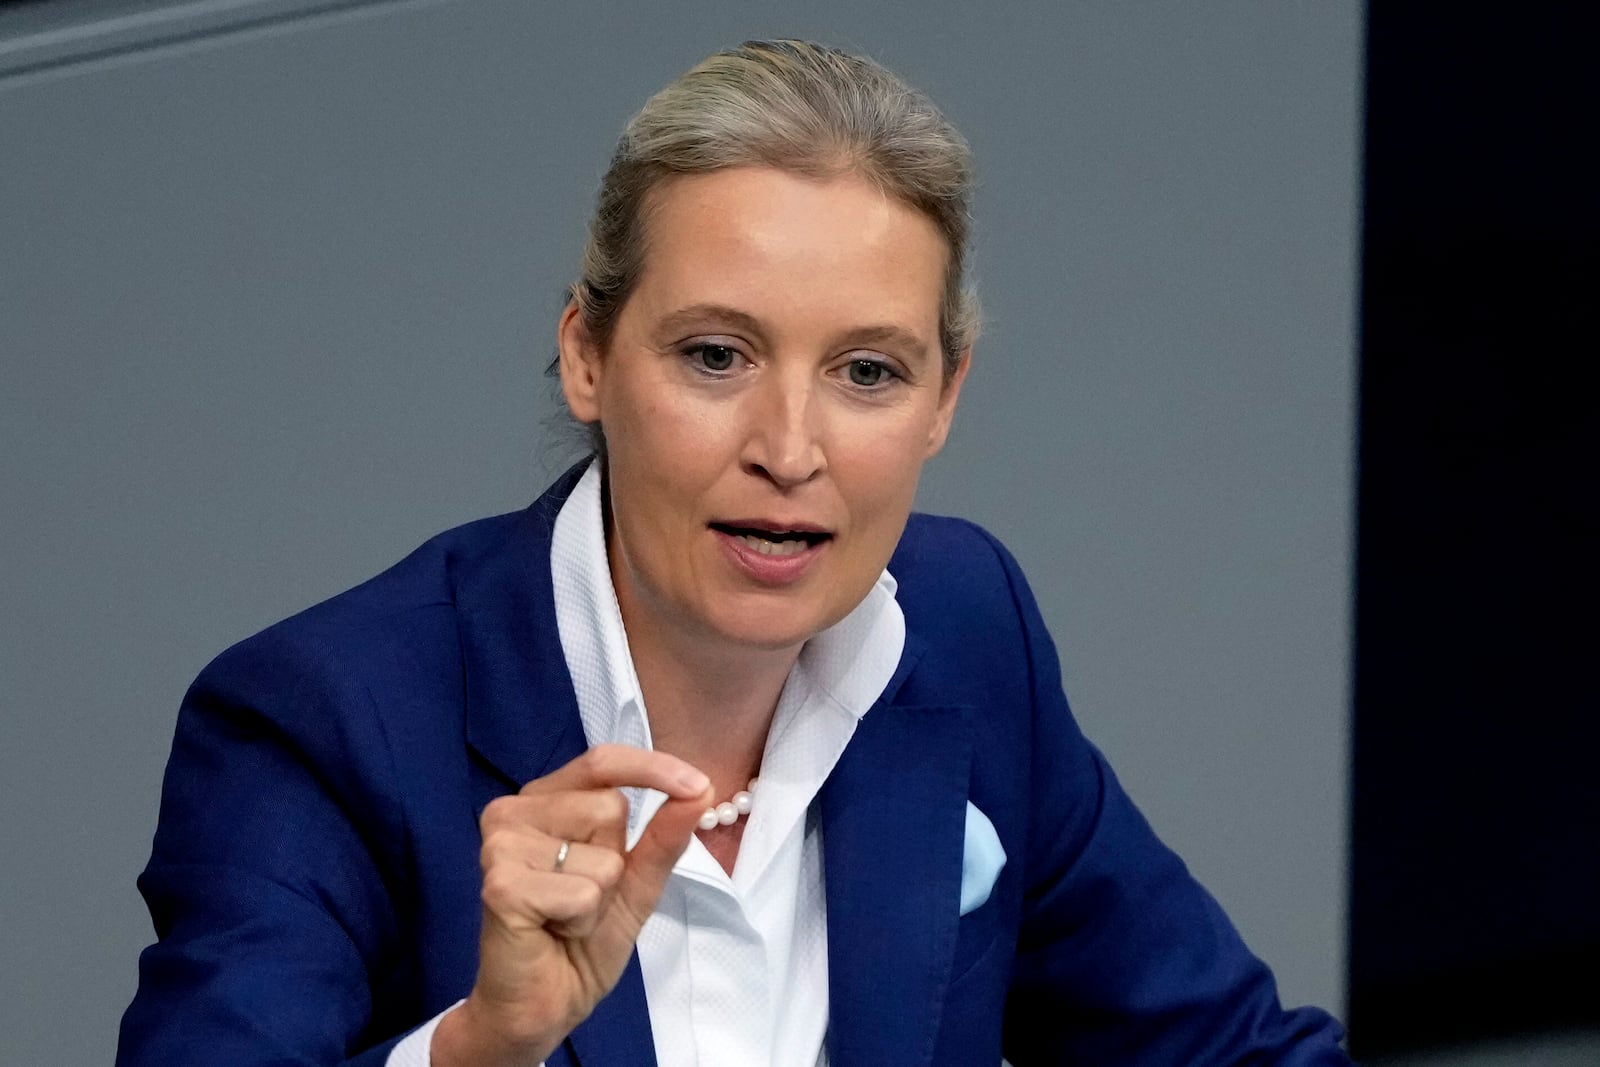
(272, 912)
(1122, 957)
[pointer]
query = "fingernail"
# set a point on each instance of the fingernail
(694, 781)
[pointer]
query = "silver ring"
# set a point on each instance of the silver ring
(561, 856)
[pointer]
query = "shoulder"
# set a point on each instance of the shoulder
(946, 566)
(344, 696)
(969, 607)
(387, 660)
(410, 608)
(409, 601)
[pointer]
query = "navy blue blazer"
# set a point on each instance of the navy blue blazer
(314, 881)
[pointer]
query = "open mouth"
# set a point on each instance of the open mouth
(773, 542)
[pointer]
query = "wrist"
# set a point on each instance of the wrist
(470, 1037)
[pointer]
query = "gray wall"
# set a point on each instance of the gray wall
(275, 301)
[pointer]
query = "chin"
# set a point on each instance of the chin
(769, 627)
(769, 638)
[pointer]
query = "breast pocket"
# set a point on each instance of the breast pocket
(980, 934)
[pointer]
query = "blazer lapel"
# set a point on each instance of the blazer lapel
(893, 827)
(522, 713)
(522, 719)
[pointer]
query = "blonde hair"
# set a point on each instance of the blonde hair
(799, 107)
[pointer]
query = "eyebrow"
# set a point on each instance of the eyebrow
(895, 336)
(699, 314)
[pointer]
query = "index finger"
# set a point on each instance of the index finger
(618, 766)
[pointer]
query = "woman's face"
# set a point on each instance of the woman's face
(768, 396)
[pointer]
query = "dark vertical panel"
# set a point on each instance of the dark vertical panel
(1475, 907)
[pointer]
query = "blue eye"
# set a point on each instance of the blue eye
(714, 357)
(868, 373)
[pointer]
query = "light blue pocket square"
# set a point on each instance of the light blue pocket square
(981, 859)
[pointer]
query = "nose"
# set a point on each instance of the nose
(783, 442)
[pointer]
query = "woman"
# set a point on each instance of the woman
(713, 753)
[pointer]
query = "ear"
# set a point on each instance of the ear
(947, 405)
(580, 365)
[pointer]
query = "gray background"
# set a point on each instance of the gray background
(278, 282)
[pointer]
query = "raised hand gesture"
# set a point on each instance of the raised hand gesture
(564, 901)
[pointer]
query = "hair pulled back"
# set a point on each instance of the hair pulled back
(799, 107)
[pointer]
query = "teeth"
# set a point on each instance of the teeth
(773, 548)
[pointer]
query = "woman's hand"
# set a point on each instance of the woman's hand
(555, 941)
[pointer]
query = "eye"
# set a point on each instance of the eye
(869, 373)
(713, 357)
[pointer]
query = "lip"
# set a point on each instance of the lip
(771, 570)
(768, 523)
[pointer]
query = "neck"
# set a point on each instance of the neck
(712, 707)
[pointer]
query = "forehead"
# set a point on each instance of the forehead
(791, 248)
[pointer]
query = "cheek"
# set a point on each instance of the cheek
(879, 473)
(664, 448)
(644, 421)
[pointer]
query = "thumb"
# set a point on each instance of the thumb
(663, 841)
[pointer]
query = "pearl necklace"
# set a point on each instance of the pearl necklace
(728, 812)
